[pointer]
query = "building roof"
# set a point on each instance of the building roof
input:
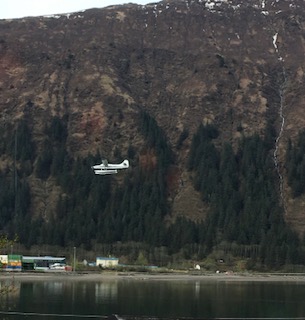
(45, 258)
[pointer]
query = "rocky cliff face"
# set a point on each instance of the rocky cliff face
(237, 64)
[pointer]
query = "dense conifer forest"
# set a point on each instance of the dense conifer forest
(240, 186)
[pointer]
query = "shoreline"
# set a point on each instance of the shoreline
(111, 276)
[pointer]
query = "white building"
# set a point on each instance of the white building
(4, 258)
(107, 262)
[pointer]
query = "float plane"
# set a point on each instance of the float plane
(109, 168)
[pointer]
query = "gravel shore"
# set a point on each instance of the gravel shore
(104, 276)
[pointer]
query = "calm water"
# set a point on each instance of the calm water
(130, 298)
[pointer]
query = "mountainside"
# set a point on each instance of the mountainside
(138, 82)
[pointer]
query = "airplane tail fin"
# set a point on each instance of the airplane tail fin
(125, 163)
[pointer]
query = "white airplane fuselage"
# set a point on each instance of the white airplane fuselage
(110, 166)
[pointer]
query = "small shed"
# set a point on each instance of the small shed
(14, 262)
(3, 260)
(107, 262)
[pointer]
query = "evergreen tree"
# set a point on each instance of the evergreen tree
(22, 143)
(44, 162)
(295, 164)
(242, 191)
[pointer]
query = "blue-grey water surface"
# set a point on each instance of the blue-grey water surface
(144, 298)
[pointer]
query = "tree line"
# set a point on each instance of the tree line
(240, 186)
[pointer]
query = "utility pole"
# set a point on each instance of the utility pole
(74, 258)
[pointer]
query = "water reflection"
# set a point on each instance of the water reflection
(53, 287)
(106, 291)
(163, 299)
(10, 292)
(197, 288)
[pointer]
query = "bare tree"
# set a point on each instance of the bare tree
(6, 285)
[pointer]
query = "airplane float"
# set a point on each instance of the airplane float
(109, 168)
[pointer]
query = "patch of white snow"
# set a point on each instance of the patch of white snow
(210, 5)
(52, 16)
(274, 41)
(236, 7)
